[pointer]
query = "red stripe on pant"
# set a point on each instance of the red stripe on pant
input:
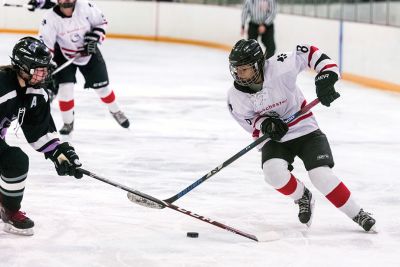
(290, 187)
(109, 99)
(66, 105)
(339, 195)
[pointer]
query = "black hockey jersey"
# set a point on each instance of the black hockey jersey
(30, 106)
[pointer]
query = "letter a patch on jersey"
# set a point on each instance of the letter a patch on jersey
(34, 100)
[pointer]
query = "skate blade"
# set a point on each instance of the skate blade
(312, 212)
(12, 230)
(373, 230)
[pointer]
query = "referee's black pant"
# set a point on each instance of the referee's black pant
(267, 38)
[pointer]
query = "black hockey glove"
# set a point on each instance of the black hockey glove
(274, 127)
(325, 84)
(65, 160)
(90, 41)
(50, 83)
(52, 88)
(34, 4)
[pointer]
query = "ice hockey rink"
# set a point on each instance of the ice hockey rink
(175, 97)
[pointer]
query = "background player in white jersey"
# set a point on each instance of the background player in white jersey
(23, 98)
(74, 28)
(264, 93)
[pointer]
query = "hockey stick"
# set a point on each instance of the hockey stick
(18, 5)
(172, 199)
(156, 203)
(63, 66)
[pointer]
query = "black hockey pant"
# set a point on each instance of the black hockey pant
(14, 165)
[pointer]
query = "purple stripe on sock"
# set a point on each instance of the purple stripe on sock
(50, 146)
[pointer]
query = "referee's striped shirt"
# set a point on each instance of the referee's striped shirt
(259, 11)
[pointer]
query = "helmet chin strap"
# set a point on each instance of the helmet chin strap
(25, 77)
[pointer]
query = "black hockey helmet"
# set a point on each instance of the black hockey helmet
(246, 52)
(30, 53)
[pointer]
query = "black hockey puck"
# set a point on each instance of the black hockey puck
(192, 234)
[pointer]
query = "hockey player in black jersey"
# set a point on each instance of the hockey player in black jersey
(23, 97)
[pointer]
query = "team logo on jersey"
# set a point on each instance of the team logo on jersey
(282, 57)
(75, 37)
(262, 103)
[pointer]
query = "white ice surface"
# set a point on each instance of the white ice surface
(175, 98)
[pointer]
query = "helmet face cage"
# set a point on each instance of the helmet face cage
(30, 54)
(246, 53)
(246, 82)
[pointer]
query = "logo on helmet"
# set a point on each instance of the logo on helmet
(23, 50)
(32, 47)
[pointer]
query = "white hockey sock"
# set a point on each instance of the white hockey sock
(66, 101)
(334, 190)
(107, 96)
(276, 173)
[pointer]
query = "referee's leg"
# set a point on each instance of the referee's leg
(252, 31)
(268, 40)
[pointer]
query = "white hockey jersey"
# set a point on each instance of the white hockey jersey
(280, 94)
(69, 32)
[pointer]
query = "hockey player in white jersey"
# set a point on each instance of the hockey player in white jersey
(264, 94)
(73, 29)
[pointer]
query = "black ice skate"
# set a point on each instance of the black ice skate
(16, 222)
(365, 220)
(67, 128)
(306, 207)
(120, 117)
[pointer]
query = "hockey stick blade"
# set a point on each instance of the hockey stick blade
(155, 202)
(291, 118)
(144, 201)
(138, 196)
(149, 204)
